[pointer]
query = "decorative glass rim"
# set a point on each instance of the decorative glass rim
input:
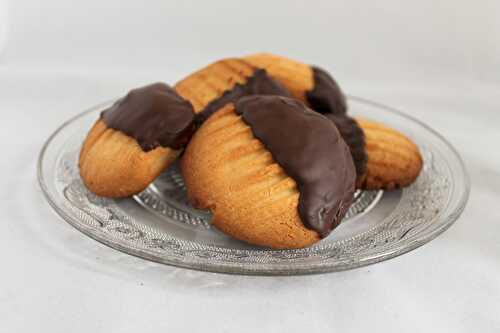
(412, 242)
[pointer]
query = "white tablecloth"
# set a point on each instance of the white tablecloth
(55, 279)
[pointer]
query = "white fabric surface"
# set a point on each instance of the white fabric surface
(436, 60)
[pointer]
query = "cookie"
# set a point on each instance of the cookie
(394, 161)
(225, 81)
(259, 167)
(310, 84)
(135, 140)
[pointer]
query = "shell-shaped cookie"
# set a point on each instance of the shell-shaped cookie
(113, 164)
(394, 161)
(134, 140)
(227, 170)
(259, 167)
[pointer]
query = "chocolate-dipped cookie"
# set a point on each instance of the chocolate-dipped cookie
(310, 84)
(259, 167)
(135, 140)
(385, 159)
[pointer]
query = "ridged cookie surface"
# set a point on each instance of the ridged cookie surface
(210, 82)
(113, 164)
(226, 81)
(227, 170)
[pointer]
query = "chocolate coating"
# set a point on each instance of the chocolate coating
(154, 115)
(354, 136)
(326, 96)
(322, 168)
(258, 84)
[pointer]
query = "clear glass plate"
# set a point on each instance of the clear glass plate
(159, 225)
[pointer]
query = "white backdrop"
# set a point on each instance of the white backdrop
(357, 40)
(437, 60)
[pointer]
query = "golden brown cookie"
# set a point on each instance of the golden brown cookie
(112, 164)
(260, 169)
(394, 161)
(135, 140)
(310, 84)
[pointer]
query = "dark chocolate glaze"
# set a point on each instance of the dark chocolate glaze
(354, 137)
(258, 84)
(154, 115)
(322, 168)
(326, 96)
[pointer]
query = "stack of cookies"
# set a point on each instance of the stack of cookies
(265, 142)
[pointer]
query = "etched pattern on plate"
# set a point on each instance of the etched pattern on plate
(419, 205)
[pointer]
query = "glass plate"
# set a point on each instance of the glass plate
(159, 224)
